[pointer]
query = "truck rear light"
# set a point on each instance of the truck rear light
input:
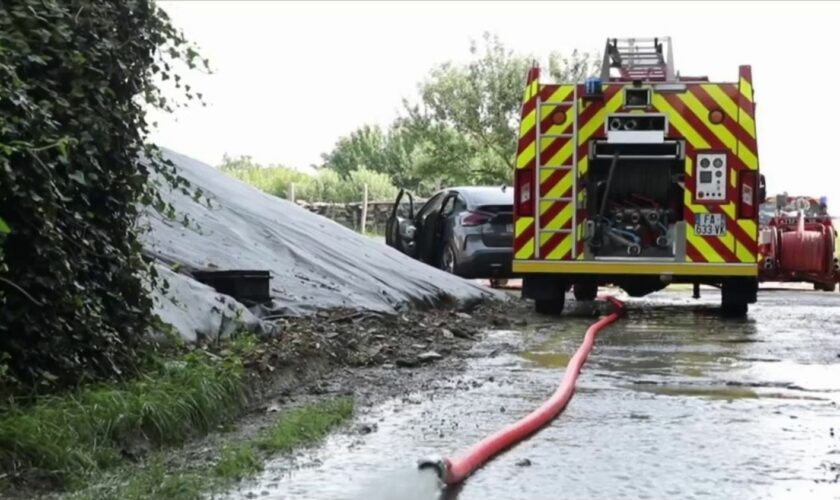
(748, 185)
(524, 195)
(716, 116)
(475, 218)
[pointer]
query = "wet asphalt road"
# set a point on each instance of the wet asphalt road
(674, 402)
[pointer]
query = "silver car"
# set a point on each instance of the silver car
(467, 231)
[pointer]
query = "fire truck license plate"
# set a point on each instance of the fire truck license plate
(710, 225)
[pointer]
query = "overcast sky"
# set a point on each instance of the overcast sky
(291, 78)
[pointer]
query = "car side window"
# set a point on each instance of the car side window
(460, 205)
(448, 206)
(433, 204)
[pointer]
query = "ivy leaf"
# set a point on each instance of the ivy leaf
(4, 228)
(79, 177)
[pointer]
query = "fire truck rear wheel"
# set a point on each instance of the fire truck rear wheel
(550, 307)
(736, 295)
(586, 291)
(734, 309)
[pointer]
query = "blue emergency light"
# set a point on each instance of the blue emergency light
(592, 87)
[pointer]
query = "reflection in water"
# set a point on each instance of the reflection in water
(408, 483)
(673, 403)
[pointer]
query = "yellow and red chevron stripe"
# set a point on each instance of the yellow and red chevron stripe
(523, 230)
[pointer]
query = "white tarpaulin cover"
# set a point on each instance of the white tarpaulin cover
(314, 262)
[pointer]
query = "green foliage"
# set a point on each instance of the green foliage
(79, 434)
(4, 230)
(153, 481)
(305, 425)
(238, 462)
(463, 130)
(326, 185)
(365, 147)
(480, 100)
(75, 78)
(274, 179)
(300, 427)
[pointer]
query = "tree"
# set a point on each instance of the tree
(273, 179)
(76, 77)
(364, 147)
(327, 185)
(463, 129)
(481, 100)
(575, 67)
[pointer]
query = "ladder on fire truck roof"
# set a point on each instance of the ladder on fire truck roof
(646, 59)
(569, 105)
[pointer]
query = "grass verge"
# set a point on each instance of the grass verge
(300, 427)
(108, 440)
(64, 439)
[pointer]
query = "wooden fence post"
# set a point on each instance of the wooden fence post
(364, 207)
(291, 192)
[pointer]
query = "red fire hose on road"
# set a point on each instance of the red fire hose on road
(456, 469)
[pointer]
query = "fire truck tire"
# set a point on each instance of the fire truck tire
(550, 307)
(585, 291)
(734, 309)
(736, 295)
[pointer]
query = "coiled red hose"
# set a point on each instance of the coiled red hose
(456, 469)
(804, 251)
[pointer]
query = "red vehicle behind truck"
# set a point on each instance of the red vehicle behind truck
(798, 242)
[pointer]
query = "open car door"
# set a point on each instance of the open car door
(400, 231)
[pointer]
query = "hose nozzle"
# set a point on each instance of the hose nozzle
(439, 465)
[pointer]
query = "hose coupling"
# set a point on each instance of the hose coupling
(438, 464)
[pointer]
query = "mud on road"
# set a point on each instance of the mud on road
(675, 402)
(369, 356)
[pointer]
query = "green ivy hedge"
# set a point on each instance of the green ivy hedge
(76, 77)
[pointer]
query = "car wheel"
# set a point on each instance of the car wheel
(498, 282)
(447, 260)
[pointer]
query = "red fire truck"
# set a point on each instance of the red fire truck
(638, 178)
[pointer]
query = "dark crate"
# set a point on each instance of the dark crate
(244, 286)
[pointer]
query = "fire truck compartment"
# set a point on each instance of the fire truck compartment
(636, 202)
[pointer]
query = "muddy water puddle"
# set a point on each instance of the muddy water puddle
(674, 403)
